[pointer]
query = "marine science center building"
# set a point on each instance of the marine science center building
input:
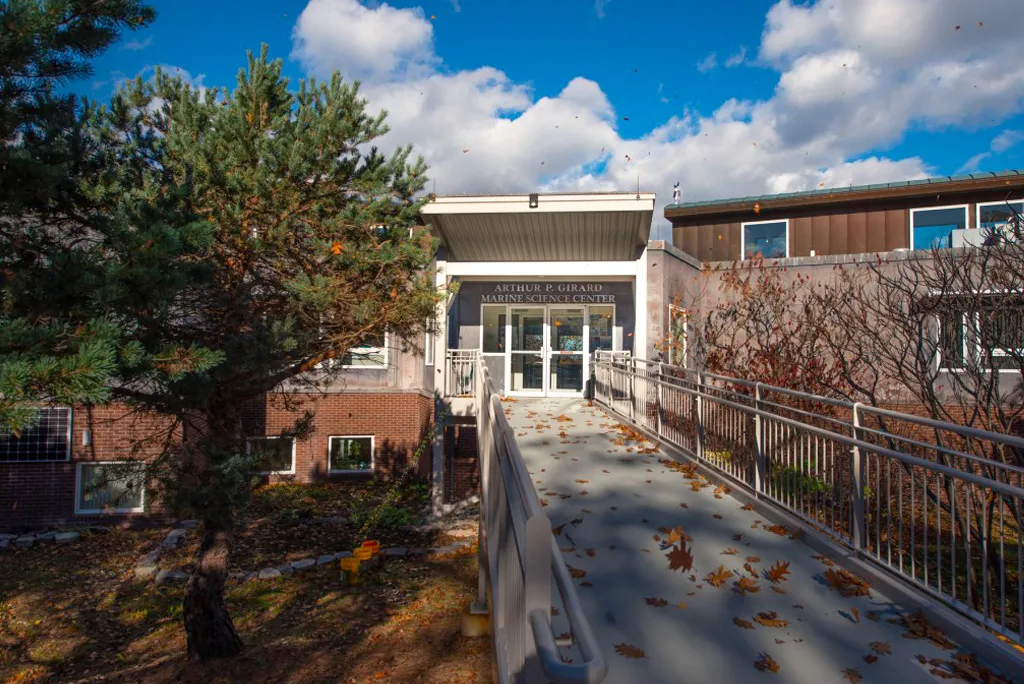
(540, 282)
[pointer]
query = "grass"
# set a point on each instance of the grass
(76, 613)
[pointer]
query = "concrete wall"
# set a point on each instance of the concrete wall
(673, 277)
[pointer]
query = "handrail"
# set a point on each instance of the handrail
(518, 557)
(899, 502)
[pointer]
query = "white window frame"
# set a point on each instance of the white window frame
(350, 471)
(969, 354)
(366, 350)
(428, 345)
(70, 435)
(910, 223)
(99, 511)
(978, 207)
(248, 452)
(743, 237)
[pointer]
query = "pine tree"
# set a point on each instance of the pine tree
(279, 238)
(51, 349)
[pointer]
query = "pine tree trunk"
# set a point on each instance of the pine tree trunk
(208, 627)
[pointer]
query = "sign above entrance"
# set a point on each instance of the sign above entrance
(546, 293)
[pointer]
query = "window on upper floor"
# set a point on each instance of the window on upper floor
(933, 228)
(373, 353)
(999, 221)
(46, 438)
(770, 239)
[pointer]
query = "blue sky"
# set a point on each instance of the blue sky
(729, 99)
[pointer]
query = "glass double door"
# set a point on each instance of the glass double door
(548, 350)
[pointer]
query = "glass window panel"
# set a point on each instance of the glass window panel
(933, 228)
(111, 486)
(951, 342)
(567, 330)
(272, 454)
(527, 372)
(494, 330)
(527, 329)
(351, 453)
(602, 326)
(567, 373)
(999, 219)
(767, 239)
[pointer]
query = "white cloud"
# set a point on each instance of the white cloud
(456, 6)
(1000, 143)
(737, 59)
(708, 63)
(364, 43)
(853, 76)
(599, 6)
(136, 45)
(1006, 140)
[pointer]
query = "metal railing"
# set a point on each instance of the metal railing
(518, 560)
(921, 498)
(460, 373)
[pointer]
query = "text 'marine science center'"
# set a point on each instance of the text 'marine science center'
(547, 293)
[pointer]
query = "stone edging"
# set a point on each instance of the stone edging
(24, 541)
(147, 566)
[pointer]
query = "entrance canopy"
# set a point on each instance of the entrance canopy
(552, 227)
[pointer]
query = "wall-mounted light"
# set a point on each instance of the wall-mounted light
(534, 200)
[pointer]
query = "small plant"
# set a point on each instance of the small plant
(287, 515)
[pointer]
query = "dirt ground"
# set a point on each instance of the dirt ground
(76, 614)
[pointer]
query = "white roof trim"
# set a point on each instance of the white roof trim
(546, 203)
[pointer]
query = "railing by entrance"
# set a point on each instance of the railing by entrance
(914, 496)
(518, 560)
(460, 373)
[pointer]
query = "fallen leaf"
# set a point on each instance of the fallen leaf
(770, 618)
(730, 552)
(656, 602)
(744, 585)
(870, 658)
(753, 559)
(777, 573)
(629, 651)
(765, 663)
(718, 577)
(881, 647)
(847, 584)
(852, 675)
(856, 614)
(681, 606)
(778, 590)
(576, 572)
(679, 558)
(742, 623)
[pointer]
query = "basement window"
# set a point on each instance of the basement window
(110, 487)
(350, 454)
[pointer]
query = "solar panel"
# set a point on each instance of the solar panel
(47, 438)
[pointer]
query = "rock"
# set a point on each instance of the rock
(325, 559)
(188, 524)
(269, 573)
(286, 569)
(150, 558)
(8, 537)
(144, 572)
(342, 554)
(26, 541)
(46, 536)
(66, 538)
(5, 543)
(250, 576)
(395, 553)
(462, 532)
(161, 576)
(304, 564)
(236, 576)
(418, 552)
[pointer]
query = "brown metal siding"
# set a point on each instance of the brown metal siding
(878, 227)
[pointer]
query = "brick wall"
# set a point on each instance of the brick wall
(43, 494)
(462, 463)
(34, 494)
(397, 422)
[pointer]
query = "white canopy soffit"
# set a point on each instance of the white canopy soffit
(559, 227)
